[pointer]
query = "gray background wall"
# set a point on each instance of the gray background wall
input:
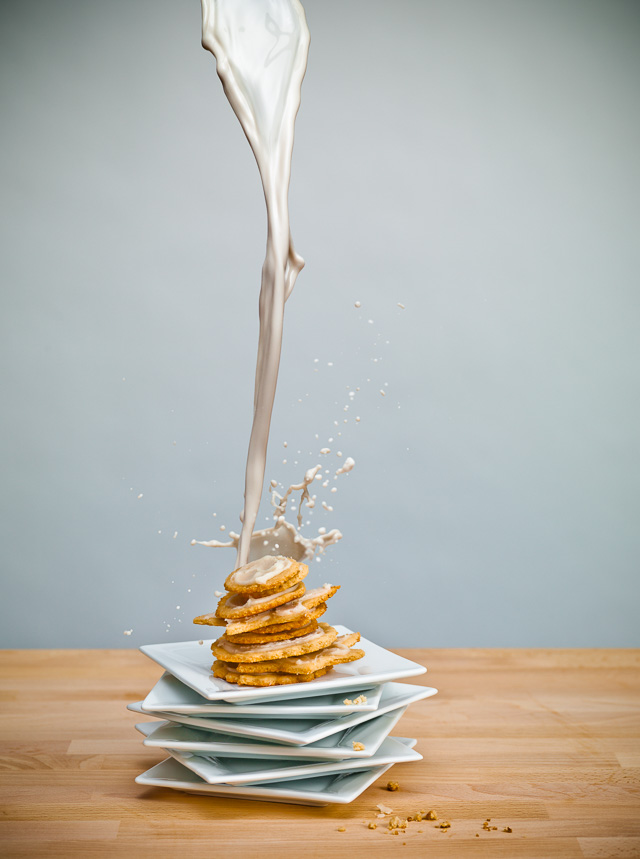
(476, 161)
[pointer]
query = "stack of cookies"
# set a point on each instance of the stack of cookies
(272, 635)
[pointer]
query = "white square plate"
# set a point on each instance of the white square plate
(336, 747)
(246, 771)
(299, 732)
(169, 695)
(321, 790)
(191, 663)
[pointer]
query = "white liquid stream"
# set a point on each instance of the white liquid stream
(261, 49)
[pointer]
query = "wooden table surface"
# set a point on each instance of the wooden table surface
(546, 742)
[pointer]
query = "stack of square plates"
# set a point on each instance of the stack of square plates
(309, 743)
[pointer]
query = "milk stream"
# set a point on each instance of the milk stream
(261, 49)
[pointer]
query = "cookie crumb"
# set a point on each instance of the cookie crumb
(348, 702)
(358, 747)
(384, 809)
(445, 825)
(507, 829)
(361, 699)
(372, 825)
(341, 829)
(477, 835)
(431, 815)
(392, 785)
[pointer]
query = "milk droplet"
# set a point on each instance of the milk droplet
(140, 496)
(223, 527)
(383, 392)
(324, 450)
(175, 534)
(356, 304)
(284, 444)
(126, 631)
(346, 466)
(401, 306)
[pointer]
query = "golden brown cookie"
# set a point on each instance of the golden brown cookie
(265, 574)
(234, 606)
(226, 672)
(316, 596)
(261, 637)
(290, 615)
(226, 651)
(209, 620)
(313, 614)
(309, 663)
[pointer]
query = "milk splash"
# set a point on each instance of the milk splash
(284, 538)
(261, 49)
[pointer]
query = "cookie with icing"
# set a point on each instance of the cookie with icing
(226, 672)
(309, 663)
(233, 605)
(227, 651)
(265, 574)
(263, 636)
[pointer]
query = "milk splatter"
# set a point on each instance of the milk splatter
(283, 537)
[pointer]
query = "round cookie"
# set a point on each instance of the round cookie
(309, 663)
(226, 672)
(315, 596)
(313, 614)
(233, 606)
(265, 574)
(263, 637)
(226, 651)
(295, 610)
(291, 615)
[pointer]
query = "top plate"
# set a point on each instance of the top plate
(191, 663)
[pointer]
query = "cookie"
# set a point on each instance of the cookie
(341, 651)
(228, 652)
(227, 672)
(264, 574)
(263, 637)
(289, 615)
(240, 605)
(313, 613)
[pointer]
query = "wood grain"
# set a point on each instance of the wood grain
(544, 741)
